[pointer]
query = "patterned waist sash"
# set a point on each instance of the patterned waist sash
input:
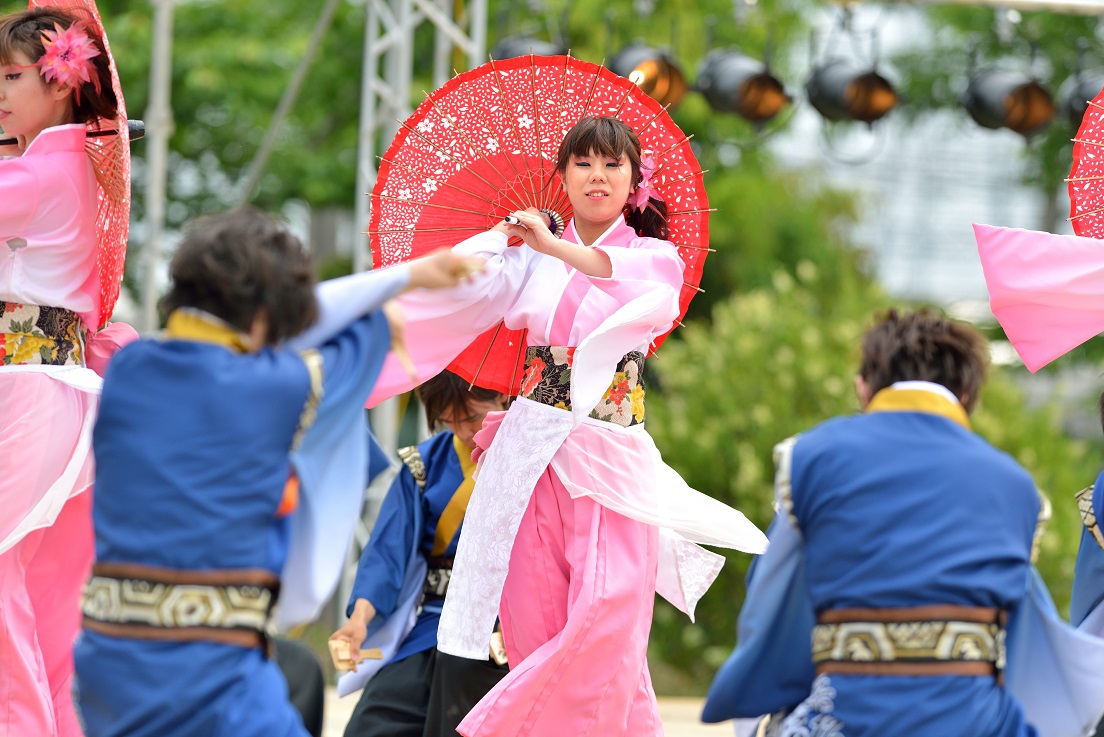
(232, 606)
(548, 380)
(926, 640)
(30, 334)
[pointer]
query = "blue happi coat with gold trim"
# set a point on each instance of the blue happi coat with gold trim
(384, 561)
(1088, 577)
(195, 442)
(902, 506)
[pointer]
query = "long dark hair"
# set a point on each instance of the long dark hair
(610, 137)
(22, 33)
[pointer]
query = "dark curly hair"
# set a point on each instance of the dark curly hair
(610, 137)
(240, 263)
(447, 391)
(925, 346)
(22, 33)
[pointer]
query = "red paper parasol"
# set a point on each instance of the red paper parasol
(1086, 180)
(485, 144)
(111, 160)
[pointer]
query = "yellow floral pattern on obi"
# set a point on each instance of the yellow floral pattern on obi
(547, 380)
(30, 334)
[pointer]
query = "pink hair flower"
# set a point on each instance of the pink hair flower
(644, 190)
(68, 57)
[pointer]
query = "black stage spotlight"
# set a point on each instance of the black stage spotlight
(1002, 99)
(653, 71)
(840, 91)
(512, 46)
(735, 83)
(1075, 93)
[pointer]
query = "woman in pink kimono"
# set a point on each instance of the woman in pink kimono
(575, 522)
(54, 78)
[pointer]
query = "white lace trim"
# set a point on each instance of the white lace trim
(522, 449)
(686, 571)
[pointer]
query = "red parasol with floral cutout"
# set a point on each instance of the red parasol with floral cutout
(1086, 179)
(485, 144)
(109, 149)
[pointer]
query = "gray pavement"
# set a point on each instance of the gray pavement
(680, 717)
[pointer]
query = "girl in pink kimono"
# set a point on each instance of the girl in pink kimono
(575, 522)
(54, 78)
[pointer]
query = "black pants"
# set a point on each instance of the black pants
(425, 695)
(306, 684)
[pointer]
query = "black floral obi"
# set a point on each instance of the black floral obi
(548, 380)
(30, 334)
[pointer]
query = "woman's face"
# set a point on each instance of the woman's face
(28, 104)
(598, 187)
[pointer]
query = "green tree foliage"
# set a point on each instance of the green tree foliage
(767, 219)
(231, 63)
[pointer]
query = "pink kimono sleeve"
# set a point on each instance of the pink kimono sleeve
(19, 195)
(1046, 290)
(102, 345)
(642, 265)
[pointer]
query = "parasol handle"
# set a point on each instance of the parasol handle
(137, 129)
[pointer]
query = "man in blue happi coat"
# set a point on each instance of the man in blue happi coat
(898, 595)
(231, 455)
(414, 690)
(1086, 612)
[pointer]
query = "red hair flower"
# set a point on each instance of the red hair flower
(68, 57)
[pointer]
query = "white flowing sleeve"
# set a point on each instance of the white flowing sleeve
(343, 300)
(440, 323)
(1055, 671)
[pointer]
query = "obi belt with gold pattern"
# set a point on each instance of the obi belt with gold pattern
(913, 641)
(231, 606)
(30, 334)
(548, 380)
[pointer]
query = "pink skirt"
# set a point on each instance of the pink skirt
(46, 546)
(576, 613)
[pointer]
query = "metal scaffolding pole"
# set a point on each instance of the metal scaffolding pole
(287, 102)
(385, 100)
(159, 128)
(385, 97)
